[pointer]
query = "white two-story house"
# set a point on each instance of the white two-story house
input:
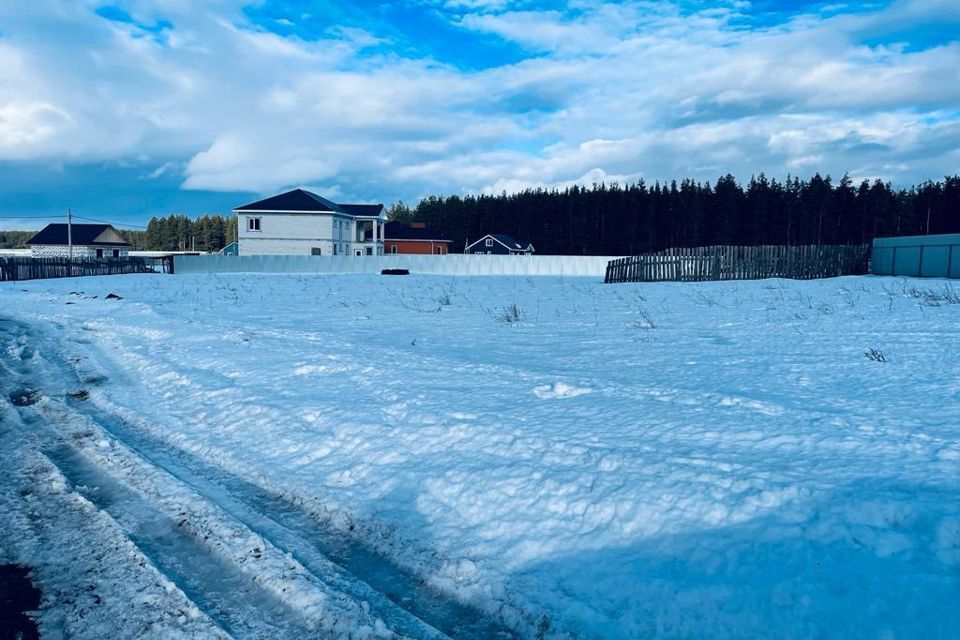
(299, 222)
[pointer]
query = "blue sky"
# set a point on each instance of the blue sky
(126, 109)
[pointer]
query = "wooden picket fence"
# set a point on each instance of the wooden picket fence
(14, 269)
(698, 264)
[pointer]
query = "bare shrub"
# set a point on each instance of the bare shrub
(510, 314)
(413, 303)
(875, 355)
(644, 321)
(707, 300)
(933, 297)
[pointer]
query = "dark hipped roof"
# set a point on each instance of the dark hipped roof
(309, 202)
(507, 241)
(81, 234)
(362, 210)
(396, 230)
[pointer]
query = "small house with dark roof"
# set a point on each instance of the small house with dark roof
(413, 238)
(300, 222)
(88, 241)
(499, 244)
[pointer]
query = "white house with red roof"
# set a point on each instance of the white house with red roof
(300, 222)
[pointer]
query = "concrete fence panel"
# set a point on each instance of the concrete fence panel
(451, 264)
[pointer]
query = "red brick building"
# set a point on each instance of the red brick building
(400, 238)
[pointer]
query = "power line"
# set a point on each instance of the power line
(30, 217)
(119, 224)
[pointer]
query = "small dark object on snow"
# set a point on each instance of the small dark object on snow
(113, 296)
(395, 272)
(17, 597)
(79, 394)
(24, 397)
(68, 303)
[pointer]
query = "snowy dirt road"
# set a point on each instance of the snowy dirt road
(341, 589)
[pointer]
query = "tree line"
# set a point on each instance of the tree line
(168, 233)
(180, 233)
(636, 218)
(15, 239)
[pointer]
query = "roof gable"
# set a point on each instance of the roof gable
(296, 200)
(80, 234)
(303, 201)
(505, 240)
(109, 236)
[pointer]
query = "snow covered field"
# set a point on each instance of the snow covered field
(483, 457)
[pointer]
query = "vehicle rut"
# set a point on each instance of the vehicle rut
(398, 597)
(230, 598)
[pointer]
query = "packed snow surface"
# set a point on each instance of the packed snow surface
(571, 459)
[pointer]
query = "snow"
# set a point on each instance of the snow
(615, 461)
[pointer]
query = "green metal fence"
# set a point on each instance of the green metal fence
(921, 256)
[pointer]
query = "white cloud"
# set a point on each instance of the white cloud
(24, 125)
(610, 91)
(236, 159)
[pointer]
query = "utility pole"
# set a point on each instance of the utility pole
(70, 233)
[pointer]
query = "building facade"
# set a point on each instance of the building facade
(299, 222)
(413, 238)
(500, 245)
(81, 241)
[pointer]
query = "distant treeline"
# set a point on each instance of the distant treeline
(15, 239)
(636, 218)
(169, 233)
(180, 233)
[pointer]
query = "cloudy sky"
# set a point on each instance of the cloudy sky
(130, 109)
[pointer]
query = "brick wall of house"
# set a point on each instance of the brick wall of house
(415, 247)
(79, 252)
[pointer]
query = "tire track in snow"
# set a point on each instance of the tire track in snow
(226, 595)
(397, 597)
(231, 599)
(402, 600)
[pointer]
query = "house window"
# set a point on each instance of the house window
(489, 242)
(393, 248)
(99, 253)
(334, 248)
(315, 251)
(116, 253)
(369, 251)
(253, 224)
(357, 252)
